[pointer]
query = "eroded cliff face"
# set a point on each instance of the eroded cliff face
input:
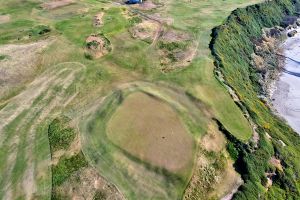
(246, 52)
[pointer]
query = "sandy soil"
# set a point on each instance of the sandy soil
(287, 92)
(85, 183)
(160, 136)
(99, 49)
(98, 19)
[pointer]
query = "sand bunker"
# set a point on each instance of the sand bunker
(56, 4)
(97, 46)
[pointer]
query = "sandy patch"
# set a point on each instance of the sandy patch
(4, 19)
(56, 4)
(159, 135)
(97, 45)
(85, 183)
(287, 93)
(146, 30)
(97, 21)
(146, 5)
(175, 36)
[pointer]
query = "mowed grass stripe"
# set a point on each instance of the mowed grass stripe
(29, 122)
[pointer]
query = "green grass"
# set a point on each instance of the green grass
(135, 60)
(237, 71)
(60, 135)
(66, 167)
(104, 154)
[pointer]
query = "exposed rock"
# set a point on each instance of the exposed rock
(292, 33)
(289, 20)
(276, 163)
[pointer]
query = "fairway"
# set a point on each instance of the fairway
(150, 129)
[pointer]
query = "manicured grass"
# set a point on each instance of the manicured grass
(151, 130)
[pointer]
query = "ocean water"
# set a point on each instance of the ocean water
(286, 95)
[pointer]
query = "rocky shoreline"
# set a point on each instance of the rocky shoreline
(270, 61)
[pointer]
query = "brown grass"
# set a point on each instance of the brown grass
(56, 4)
(152, 131)
(213, 140)
(84, 184)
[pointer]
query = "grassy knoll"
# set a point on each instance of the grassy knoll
(241, 76)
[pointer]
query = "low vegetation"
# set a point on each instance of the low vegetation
(232, 46)
(60, 135)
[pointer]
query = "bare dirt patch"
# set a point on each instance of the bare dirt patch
(152, 131)
(175, 36)
(56, 4)
(146, 30)
(87, 184)
(20, 64)
(4, 19)
(97, 46)
(97, 21)
(147, 5)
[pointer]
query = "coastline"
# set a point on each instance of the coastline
(285, 93)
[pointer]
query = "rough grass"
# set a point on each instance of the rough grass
(239, 74)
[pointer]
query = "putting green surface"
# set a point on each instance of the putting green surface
(151, 130)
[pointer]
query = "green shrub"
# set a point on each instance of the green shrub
(60, 134)
(232, 46)
(66, 167)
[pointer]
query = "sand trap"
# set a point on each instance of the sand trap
(97, 45)
(152, 131)
(56, 4)
(4, 19)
